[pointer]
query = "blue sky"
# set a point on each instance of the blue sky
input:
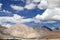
(25, 12)
(32, 12)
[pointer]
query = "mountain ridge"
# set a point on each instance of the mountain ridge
(24, 31)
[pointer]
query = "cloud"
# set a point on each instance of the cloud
(14, 19)
(53, 3)
(28, 1)
(1, 5)
(26, 20)
(52, 11)
(36, 1)
(5, 11)
(32, 1)
(49, 4)
(19, 8)
(49, 22)
(43, 4)
(6, 25)
(30, 6)
(49, 14)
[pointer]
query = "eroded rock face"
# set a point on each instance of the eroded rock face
(22, 31)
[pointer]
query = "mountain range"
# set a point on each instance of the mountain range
(24, 31)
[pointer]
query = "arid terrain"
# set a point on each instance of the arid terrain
(24, 32)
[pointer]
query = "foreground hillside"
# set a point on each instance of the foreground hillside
(21, 31)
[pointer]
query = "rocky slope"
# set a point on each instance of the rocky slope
(3, 35)
(42, 30)
(23, 31)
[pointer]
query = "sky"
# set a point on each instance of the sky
(30, 12)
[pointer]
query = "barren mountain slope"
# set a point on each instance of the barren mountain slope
(52, 35)
(42, 30)
(22, 31)
(3, 35)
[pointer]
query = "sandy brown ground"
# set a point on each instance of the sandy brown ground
(52, 35)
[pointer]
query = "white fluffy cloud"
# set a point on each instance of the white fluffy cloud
(14, 19)
(49, 14)
(53, 3)
(49, 4)
(19, 8)
(30, 6)
(52, 12)
(43, 4)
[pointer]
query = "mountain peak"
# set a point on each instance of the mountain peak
(47, 28)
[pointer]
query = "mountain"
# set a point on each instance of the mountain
(42, 30)
(27, 32)
(2, 29)
(52, 35)
(22, 31)
(47, 33)
(3, 35)
(56, 29)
